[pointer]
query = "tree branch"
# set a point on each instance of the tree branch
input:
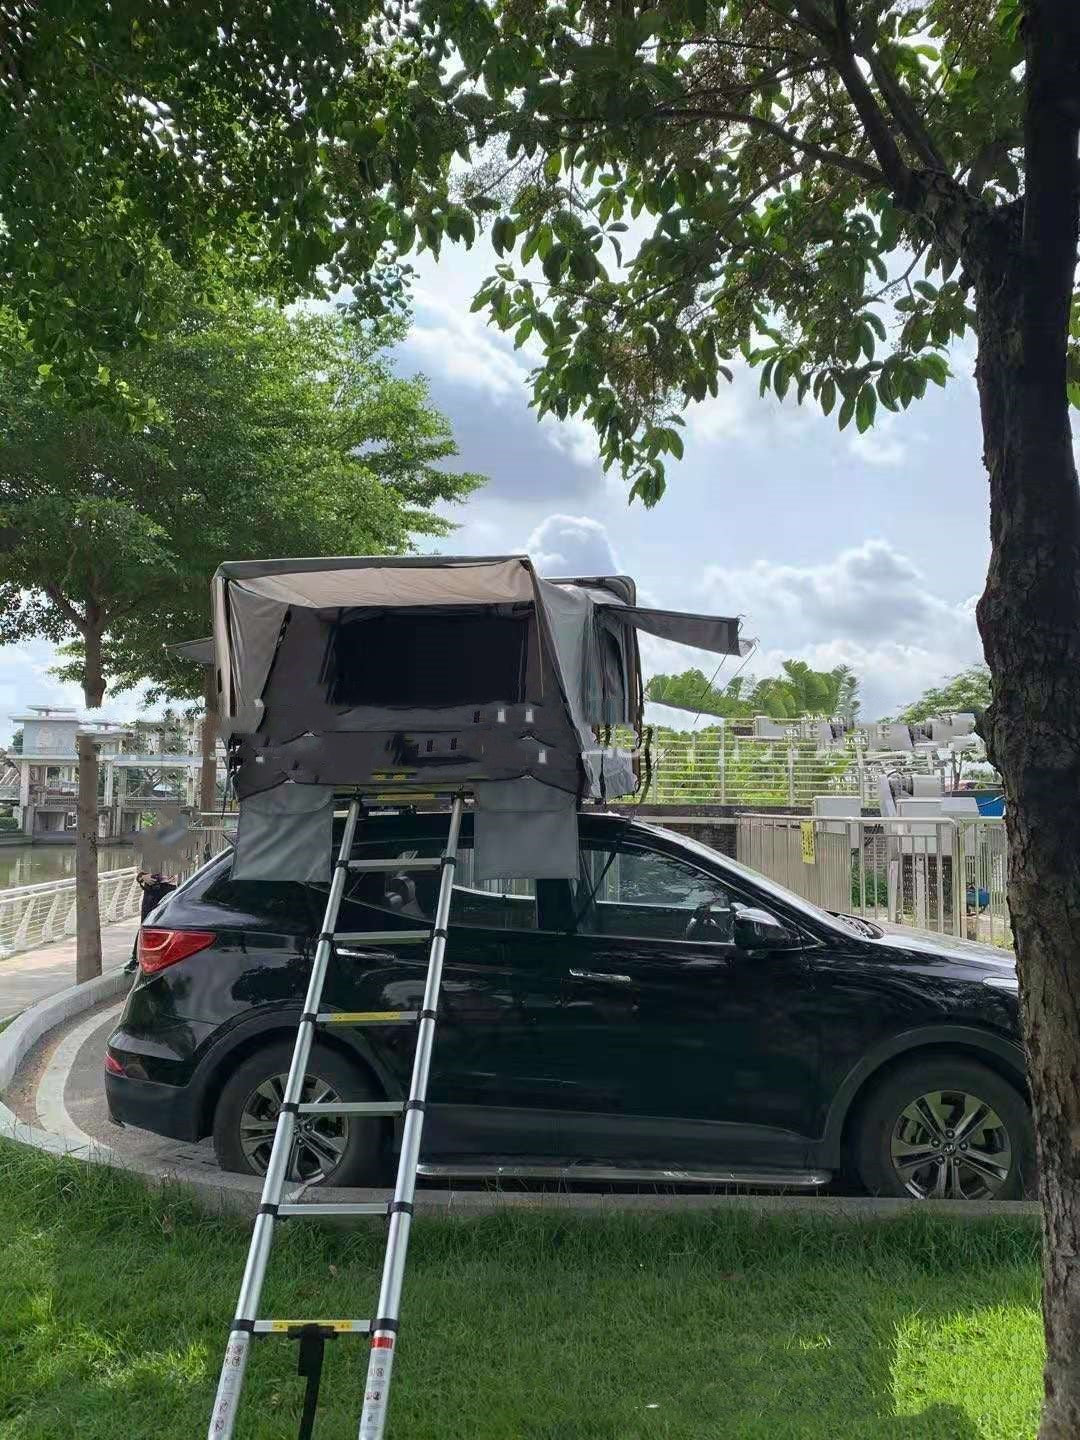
(834, 158)
(893, 165)
(64, 605)
(902, 109)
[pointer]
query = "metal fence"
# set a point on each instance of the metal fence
(722, 768)
(947, 875)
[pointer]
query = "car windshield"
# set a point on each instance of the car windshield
(761, 882)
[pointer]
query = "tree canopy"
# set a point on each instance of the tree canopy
(966, 693)
(274, 434)
(672, 186)
(798, 690)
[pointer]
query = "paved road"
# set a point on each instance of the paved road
(37, 974)
(60, 1087)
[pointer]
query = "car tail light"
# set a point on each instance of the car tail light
(159, 948)
(112, 1065)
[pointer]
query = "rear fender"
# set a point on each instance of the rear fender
(250, 1035)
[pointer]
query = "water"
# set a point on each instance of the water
(34, 864)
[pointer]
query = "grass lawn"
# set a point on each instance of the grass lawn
(519, 1326)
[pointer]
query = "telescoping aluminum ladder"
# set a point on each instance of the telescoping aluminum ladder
(312, 1334)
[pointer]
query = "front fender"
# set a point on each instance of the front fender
(967, 1037)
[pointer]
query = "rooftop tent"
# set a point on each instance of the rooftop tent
(434, 672)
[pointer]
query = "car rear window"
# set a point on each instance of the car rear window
(274, 899)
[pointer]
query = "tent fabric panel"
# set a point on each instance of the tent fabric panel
(569, 617)
(524, 830)
(285, 834)
(610, 772)
(486, 583)
(254, 630)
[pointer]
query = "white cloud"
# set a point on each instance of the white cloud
(459, 346)
(574, 437)
(456, 345)
(25, 679)
(720, 417)
(572, 545)
(868, 607)
(879, 445)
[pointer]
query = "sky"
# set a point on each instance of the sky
(832, 547)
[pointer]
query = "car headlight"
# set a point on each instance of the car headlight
(1003, 982)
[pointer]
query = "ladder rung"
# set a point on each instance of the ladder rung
(354, 1107)
(381, 937)
(367, 1017)
(427, 863)
(286, 1327)
(371, 1207)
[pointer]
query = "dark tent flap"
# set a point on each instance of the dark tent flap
(197, 652)
(703, 632)
(285, 834)
(524, 831)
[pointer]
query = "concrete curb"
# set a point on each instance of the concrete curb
(225, 1194)
(23, 1033)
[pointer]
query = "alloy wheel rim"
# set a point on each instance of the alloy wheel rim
(951, 1145)
(320, 1140)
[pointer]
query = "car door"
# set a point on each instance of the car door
(690, 1032)
(491, 1064)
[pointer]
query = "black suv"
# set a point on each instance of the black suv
(668, 1016)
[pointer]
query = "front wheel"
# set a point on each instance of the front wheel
(945, 1128)
(328, 1149)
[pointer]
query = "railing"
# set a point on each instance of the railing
(947, 875)
(32, 915)
(39, 914)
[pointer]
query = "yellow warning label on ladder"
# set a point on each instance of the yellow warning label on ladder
(809, 853)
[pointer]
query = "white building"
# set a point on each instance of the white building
(48, 766)
(42, 780)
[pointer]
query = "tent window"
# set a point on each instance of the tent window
(616, 709)
(400, 658)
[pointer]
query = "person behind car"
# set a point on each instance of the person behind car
(154, 887)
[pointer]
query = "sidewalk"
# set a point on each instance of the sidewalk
(36, 974)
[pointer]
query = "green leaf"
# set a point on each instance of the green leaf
(827, 399)
(553, 164)
(553, 263)
(935, 367)
(847, 410)
(865, 408)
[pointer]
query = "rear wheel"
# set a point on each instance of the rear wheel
(945, 1128)
(328, 1150)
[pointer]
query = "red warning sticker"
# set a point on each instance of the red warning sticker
(382, 1342)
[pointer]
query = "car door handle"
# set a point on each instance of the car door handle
(604, 976)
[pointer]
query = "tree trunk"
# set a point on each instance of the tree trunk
(87, 915)
(1029, 617)
(87, 910)
(208, 773)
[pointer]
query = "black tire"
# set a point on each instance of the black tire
(995, 1159)
(243, 1119)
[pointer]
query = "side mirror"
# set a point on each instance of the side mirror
(758, 930)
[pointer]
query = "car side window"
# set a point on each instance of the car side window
(410, 895)
(643, 894)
